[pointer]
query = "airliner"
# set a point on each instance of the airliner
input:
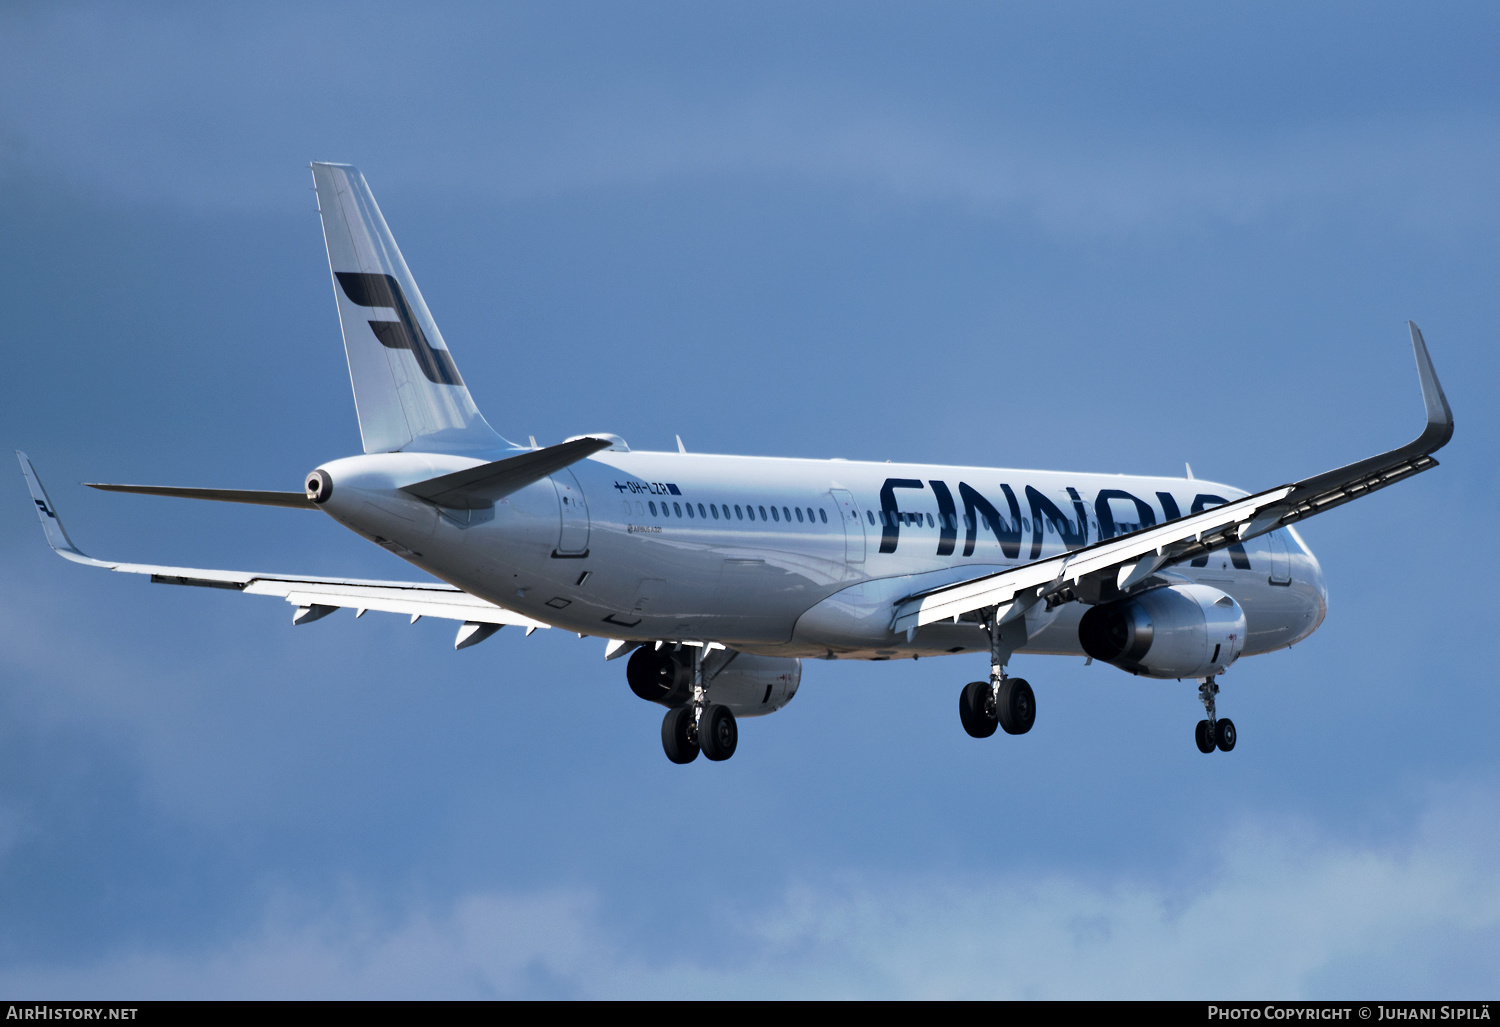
(718, 575)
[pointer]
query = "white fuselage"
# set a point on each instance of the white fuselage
(796, 557)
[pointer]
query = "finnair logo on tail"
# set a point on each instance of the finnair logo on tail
(367, 290)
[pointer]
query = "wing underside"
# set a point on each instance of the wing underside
(313, 597)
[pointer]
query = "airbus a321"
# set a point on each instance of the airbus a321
(718, 575)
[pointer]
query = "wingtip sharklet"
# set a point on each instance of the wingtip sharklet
(52, 526)
(1439, 414)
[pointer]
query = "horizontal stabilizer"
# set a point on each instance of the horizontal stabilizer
(295, 500)
(482, 485)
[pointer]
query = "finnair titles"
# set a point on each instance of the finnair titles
(718, 575)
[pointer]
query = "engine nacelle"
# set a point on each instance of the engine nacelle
(751, 686)
(1178, 631)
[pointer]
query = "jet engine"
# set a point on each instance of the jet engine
(751, 686)
(1176, 631)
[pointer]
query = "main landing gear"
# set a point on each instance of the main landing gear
(700, 727)
(1001, 701)
(1212, 733)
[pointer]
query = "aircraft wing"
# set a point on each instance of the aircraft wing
(314, 597)
(1130, 559)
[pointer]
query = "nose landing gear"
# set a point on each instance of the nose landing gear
(1213, 733)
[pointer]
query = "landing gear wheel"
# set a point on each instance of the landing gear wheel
(717, 733)
(1224, 734)
(974, 709)
(677, 735)
(1016, 706)
(1204, 737)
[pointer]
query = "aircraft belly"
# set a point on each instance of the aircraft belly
(857, 620)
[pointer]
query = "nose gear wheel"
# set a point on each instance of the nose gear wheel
(1212, 733)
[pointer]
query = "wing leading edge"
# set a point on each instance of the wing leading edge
(314, 597)
(1131, 559)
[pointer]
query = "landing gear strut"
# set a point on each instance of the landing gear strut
(1002, 701)
(1213, 733)
(702, 726)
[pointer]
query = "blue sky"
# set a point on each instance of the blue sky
(1085, 236)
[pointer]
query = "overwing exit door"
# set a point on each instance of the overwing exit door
(854, 528)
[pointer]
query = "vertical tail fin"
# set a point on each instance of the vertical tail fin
(407, 390)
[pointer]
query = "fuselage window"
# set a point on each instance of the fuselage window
(738, 515)
(690, 509)
(762, 513)
(714, 507)
(700, 511)
(774, 515)
(786, 513)
(822, 513)
(653, 509)
(871, 515)
(799, 515)
(750, 510)
(675, 506)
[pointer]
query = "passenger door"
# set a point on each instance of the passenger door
(573, 514)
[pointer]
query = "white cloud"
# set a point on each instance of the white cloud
(1277, 910)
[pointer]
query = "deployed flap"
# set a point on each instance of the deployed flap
(414, 598)
(482, 485)
(1132, 558)
(296, 500)
(407, 389)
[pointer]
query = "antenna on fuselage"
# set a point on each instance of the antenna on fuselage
(680, 447)
(1189, 468)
